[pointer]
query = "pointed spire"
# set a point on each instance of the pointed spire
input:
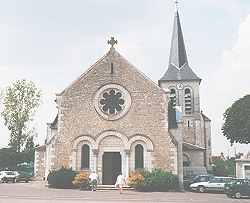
(178, 68)
(178, 56)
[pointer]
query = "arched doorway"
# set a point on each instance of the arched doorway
(111, 167)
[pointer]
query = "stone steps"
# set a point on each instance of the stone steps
(111, 187)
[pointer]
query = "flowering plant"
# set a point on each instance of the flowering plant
(135, 178)
(81, 180)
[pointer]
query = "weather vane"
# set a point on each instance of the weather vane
(176, 4)
(112, 41)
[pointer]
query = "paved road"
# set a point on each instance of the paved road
(37, 193)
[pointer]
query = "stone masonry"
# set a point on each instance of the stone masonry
(145, 122)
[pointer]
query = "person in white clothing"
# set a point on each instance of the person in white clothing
(93, 177)
(120, 182)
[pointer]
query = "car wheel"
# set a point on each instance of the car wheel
(237, 195)
(201, 189)
(14, 180)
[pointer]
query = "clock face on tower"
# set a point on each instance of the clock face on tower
(179, 86)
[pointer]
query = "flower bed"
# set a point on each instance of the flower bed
(81, 180)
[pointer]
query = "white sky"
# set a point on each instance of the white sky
(53, 42)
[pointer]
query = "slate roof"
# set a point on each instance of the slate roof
(178, 68)
(205, 117)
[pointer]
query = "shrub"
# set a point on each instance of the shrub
(156, 181)
(81, 180)
(61, 178)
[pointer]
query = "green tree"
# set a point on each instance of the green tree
(30, 149)
(224, 167)
(236, 127)
(9, 158)
(21, 100)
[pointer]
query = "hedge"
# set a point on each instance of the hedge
(61, 178)
(156, 181)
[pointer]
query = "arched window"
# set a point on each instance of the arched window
(188, 101)
(186, 161)
(139, 157)
(173, 97)
(85, 157)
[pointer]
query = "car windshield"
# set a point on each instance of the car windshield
(201, 179)
(220, 180)
(10, 173)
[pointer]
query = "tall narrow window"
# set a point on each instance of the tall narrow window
(173, 97)
(111, 68)
(188, 101)
(139, 157)
(186, 161)
(85, 157)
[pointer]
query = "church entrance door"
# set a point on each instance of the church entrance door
(111, 167)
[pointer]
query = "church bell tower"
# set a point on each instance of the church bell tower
(179, 78)
(184, 85)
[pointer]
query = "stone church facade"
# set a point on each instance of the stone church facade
(114, 119)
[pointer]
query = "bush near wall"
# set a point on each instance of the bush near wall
(62, 178)
(156, 181)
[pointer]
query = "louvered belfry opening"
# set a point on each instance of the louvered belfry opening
(188, 101)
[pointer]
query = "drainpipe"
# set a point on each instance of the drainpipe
(180, 154)
(205, 141)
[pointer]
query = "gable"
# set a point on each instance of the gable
(113, 68)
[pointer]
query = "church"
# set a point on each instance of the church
(114, 119)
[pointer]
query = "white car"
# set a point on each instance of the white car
(215, 184)
(6, 176)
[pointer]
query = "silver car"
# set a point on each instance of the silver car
(215, 184)
(6, 176)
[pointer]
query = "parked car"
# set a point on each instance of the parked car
(199, 178)
(6, 176)
(23, 176)
(233, 181)
(214, 184)
(238, 188)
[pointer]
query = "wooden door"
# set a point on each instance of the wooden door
(111, 167)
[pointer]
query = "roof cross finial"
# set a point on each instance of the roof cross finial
(112, 41)
(176, 4)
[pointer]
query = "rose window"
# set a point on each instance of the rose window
(112, 102)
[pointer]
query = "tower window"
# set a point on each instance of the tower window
(173, 97)
(189, 123)
(188, 101)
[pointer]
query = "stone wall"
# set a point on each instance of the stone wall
(39, 165)
(196, 157)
